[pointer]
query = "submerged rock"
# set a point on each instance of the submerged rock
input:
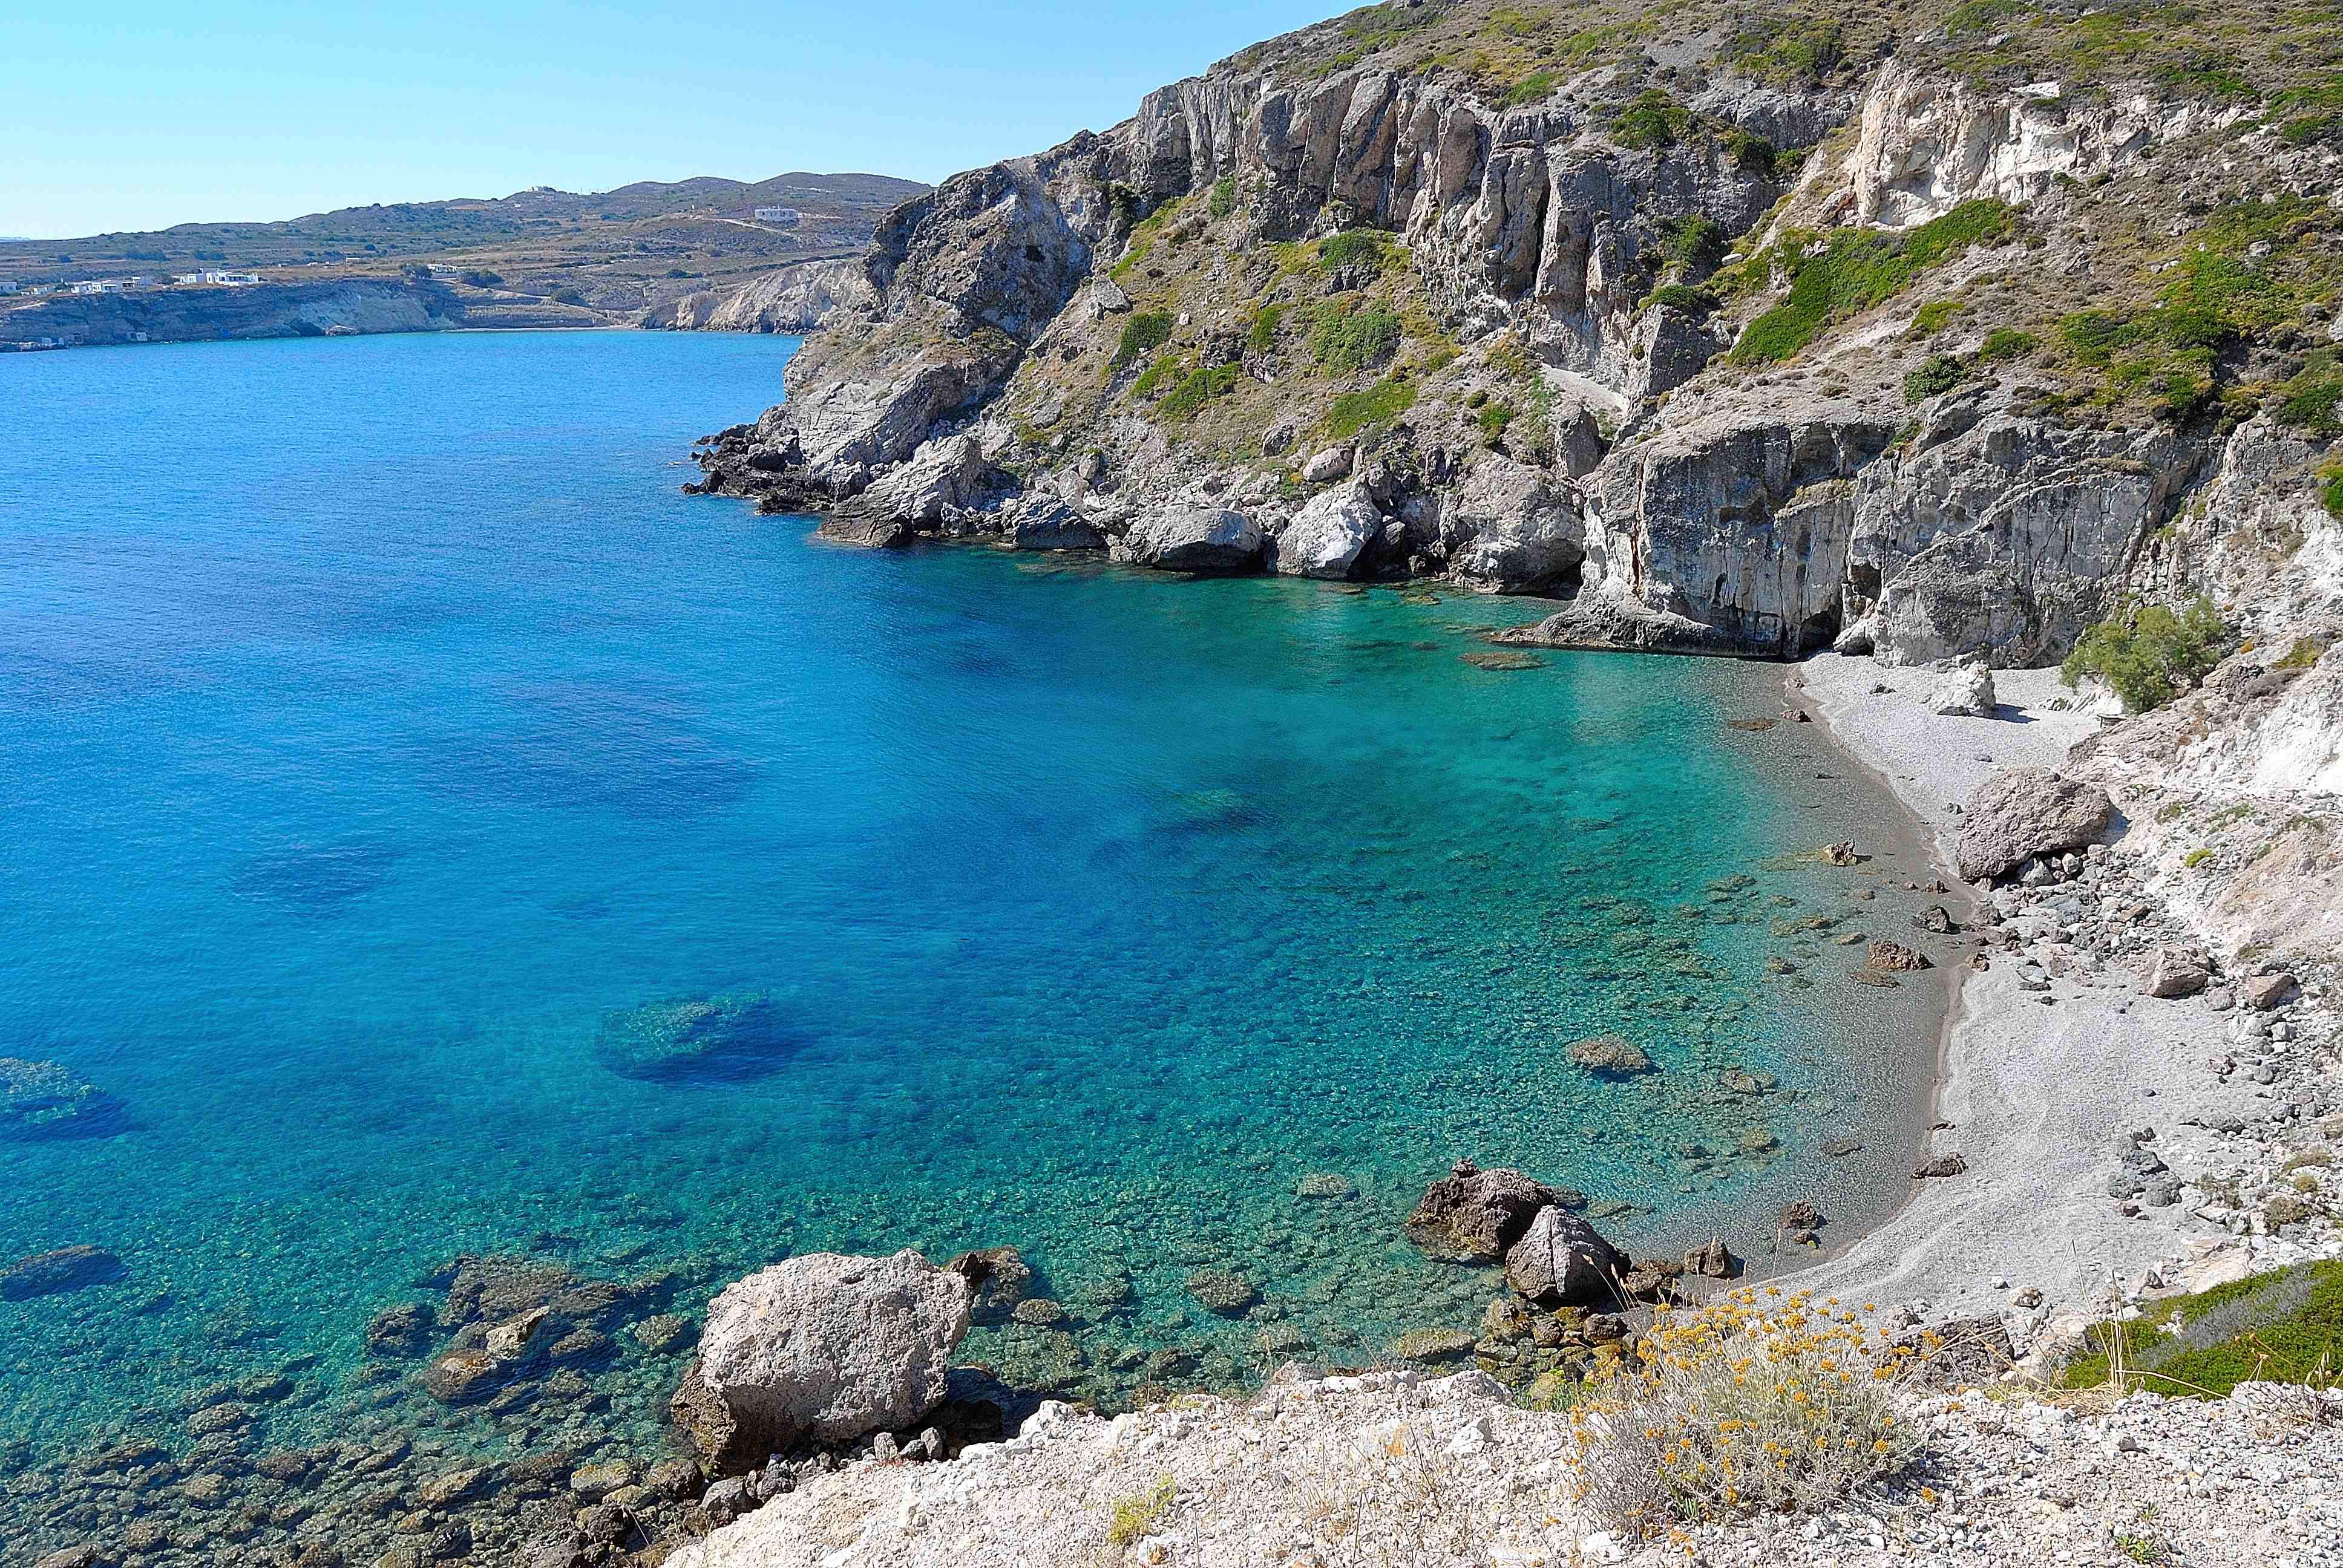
(1221, 1292)
(55, 1272)
(999, 1281)
(825, 1346)
(1610, 1055)
(722, 1039)
(42, 1099)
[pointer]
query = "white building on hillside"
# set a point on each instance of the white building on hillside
(786, 216)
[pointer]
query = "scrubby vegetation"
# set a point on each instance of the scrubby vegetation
(1378, 405)
(1848, 270)
(1142, 334)
(1653, 120)
(1135, 1517)
(2330, 489)
(2147, 654)
(1350, 337)
(1759, 1402)
(1937, 372)
(2286, 1326)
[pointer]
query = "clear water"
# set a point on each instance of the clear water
(378, 720)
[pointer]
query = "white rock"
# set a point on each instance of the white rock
(1325, 538)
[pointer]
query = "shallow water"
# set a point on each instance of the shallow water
(381, 723)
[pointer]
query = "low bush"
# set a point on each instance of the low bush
(1137, 1517)
(1692, 244)
(1260, 333)
(1757, 1403)
(1931, 318)
(2330, 489)
(2313, 399)
(1492, 419)
(1683, 297)
(1653, 120)
(1197, 389)
(1378, 405)
(1346, 341)
(2007, 343)
(1223, 199)
(2285, 1326)
(1853, 269)
(1534, 88)
(1352, 245)
(1143, 334)
(2147, 654)
(1939, 373)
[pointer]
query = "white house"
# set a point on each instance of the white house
(784, 216)
(7, 286)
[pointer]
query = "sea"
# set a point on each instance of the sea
(427, 832)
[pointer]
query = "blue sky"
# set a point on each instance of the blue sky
(128, 115)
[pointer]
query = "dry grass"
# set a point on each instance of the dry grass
(1759, 1402)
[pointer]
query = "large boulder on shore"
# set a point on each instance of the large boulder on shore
(2021, 812)
(1474, 1216)
(1202, 540)
(1563, 1260)
(824, 1348)
(1325, 537)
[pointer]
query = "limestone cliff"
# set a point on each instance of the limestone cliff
(795, 298)
(1749, 340)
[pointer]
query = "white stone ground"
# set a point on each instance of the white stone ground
(1381, 1472)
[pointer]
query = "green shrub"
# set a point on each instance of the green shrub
(1493, 419)
(1749, 150)
(1979, 16)
(2303, 129)
(1931, 317)
(1683, 297)
(2306, 652)
(2196, 857)
(2007, 343)
(2284, 1326)
(1851, 270)
(1653, 120)
(1534, 88)
(1346, 341)
(2330, 489)
(2147, 654)
(2313, 399)
(1167, 368)
(1223, 199)
(1379, 405)
(1339, 250)
(1691, 243)
(1136, 1517)
(1143, 334)
(1260, 334)
(1939, 373)
(1799, 53)
(1197, 389)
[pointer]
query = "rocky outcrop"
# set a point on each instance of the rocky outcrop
(1475, 1216)
(343, 306)
(41, 1099)
(1327, 536)
(795, 299)
(1204, 541)
(1562, 1260)
(55, 1272)
(823, 1347)
(1964, 691)
(2021, 812)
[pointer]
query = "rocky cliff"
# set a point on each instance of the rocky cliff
(788, 299)
(339, 307)
(1937, 334)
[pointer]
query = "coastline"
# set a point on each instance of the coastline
(2033, 1088)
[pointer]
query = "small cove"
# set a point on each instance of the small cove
(383, 726)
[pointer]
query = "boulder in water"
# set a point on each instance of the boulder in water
(1474, 1216)
(1610, 1055)
(1563, 1260)
(999, 1281)
(824, 1346)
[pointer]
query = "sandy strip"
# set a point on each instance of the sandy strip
(2034, 1095)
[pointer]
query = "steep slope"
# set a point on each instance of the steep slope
(1937, 332)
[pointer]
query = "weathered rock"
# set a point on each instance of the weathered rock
(1712, 1262)
(2175, 973)
(1964, 691)
(1325, 538)
(822, 1346)
(2021, 812)
(1525, 534)
(1325, 1184)
(1052, 525)
(1325, 468)
(1896, 956)
(1840, 854)
(1203, 541)
(403, 1329)
(1563, 1260)
(662, 1332)
(2264, 993)
(719, 1038)
(1609, 1055)
(1941, 1165)
(1222, 1291)
(1475, 1216)
(58, 1270)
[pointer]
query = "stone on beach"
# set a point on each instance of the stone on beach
(2175, 973)
(2019, 813)
(826, 1347)
(1609, 1055)
(1964, 691)
(1326, 536)
(1887, 955)
(1203, 541)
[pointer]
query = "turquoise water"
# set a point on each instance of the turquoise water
(381, 722)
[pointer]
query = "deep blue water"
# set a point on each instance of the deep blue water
(379, 721)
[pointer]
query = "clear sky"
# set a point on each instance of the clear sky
(134, 114)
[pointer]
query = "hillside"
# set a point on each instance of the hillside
(602, 258)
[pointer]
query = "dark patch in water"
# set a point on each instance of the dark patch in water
(703, 1040)
(312, 879)
(593, 748)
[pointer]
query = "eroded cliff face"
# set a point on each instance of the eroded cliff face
(266, 310)
(1612, 340)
